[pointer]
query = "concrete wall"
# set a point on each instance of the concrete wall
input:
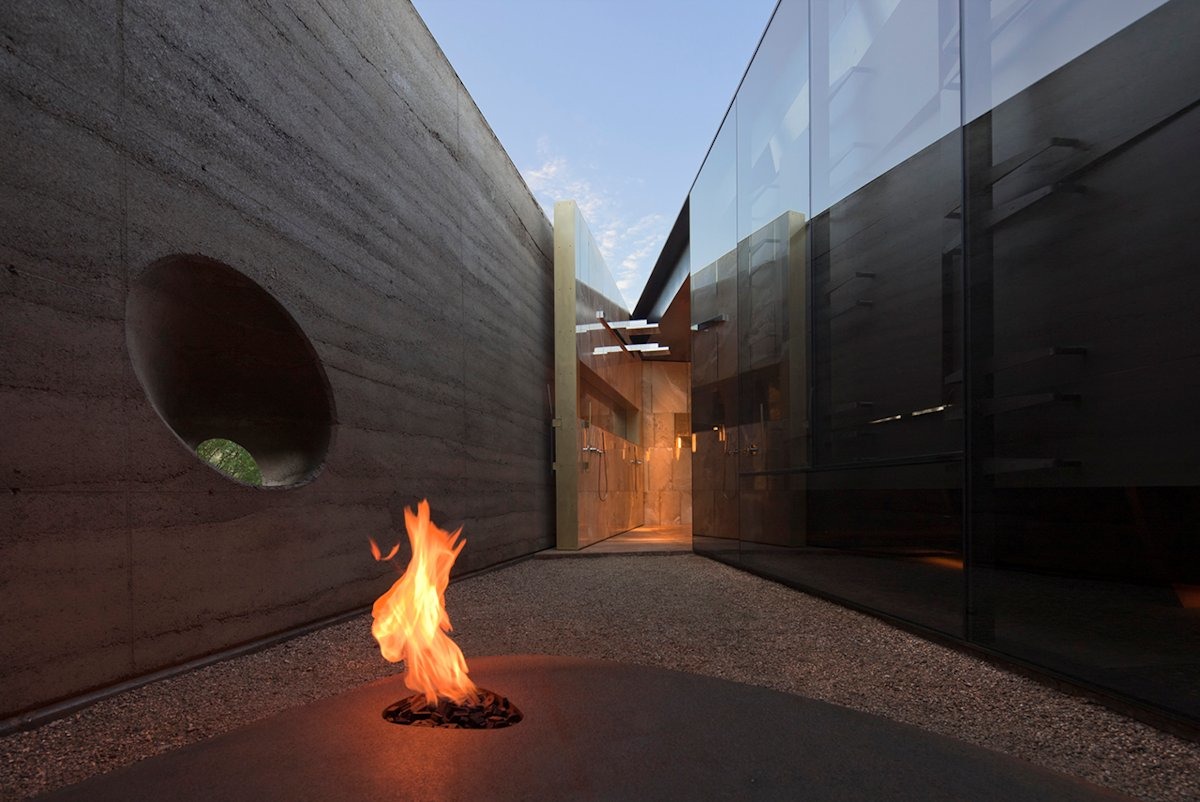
(329, 153)
(611, 486)
(666, 392)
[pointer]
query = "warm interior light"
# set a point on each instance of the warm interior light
(955, 563)
(411, 620)
(1188, 595)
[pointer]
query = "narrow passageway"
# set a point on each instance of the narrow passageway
(642, 540)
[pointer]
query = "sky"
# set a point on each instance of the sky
(610, 103)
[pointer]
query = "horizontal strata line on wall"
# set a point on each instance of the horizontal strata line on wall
(920, 459)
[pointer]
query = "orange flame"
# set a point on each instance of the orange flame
(411, 620)
(379, 558)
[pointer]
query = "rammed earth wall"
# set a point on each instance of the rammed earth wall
(329, 153)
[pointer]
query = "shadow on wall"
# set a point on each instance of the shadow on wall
(229, 371)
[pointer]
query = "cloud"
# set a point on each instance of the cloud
(628, 245)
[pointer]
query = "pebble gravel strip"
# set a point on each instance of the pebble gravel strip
(682, 612)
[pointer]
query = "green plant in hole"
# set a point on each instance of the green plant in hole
(230, 459)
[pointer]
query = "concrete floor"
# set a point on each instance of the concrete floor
(592, 730)
(673, 539)
(679, 612)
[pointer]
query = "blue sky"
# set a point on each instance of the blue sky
(611, 103)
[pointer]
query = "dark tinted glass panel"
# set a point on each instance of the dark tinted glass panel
(987, 434)
(1085, 345)
(886, 538)
(858, 310)
(713, 221)
(772, 129)
(1011, 44)
(772, 380)
(886, 302)
(773, 194)
(884, 86)
(712, 207)
(773, 346)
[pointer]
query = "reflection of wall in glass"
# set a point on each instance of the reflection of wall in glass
(599, 480)
(1082, 256)
(998, 446)
(886, 298)
(713, 221)
(884, 85)
(1011, 44)
(772, 123)
(713, 208)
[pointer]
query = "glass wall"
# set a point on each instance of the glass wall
(772, 126)
(1085, 358)
(945, 341)
(1011, 44)
(713, 223)
(598, 394)
(885, 85)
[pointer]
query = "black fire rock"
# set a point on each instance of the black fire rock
(491, 712)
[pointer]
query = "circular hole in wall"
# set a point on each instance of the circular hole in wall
(229, 371)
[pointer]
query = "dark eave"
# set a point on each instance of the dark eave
(672, 249)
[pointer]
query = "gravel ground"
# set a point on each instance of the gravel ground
(683, 612)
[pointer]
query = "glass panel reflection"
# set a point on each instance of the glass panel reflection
(609, 488)
(1086, 355)
(772, 123)
(955, 385)
(886, 298)
(713, 211)
(884, 86)
(773, 420)
(886, 538)
(773, 189)
(713, 204)
(1011, 44)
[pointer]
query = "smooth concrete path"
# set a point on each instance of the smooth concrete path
(593, 730)
(665, 539)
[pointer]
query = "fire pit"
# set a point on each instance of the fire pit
(411, 625)
(491, 712)
(593, 730)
